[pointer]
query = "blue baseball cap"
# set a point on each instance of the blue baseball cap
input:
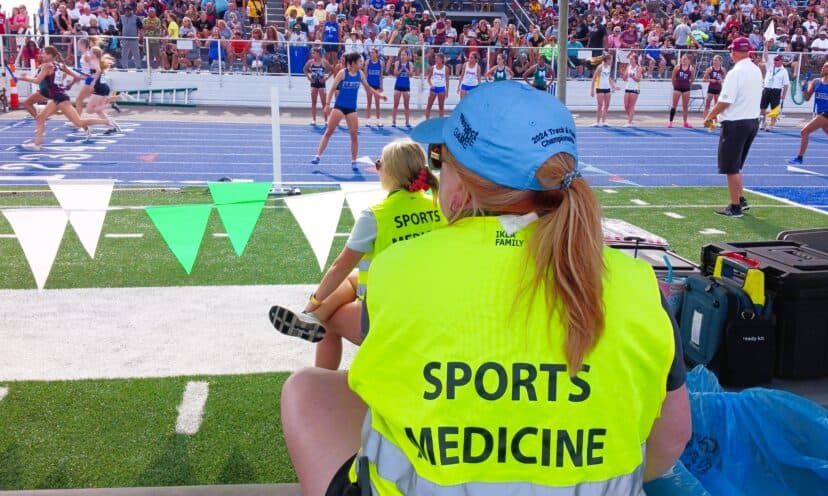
(504, 132)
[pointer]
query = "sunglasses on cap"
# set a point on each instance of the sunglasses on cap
(435, 157)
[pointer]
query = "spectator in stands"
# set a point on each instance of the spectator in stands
(681, 34)
(224, 31)
(453, 54)
(217, 54)
(190, 58)
(132, 30)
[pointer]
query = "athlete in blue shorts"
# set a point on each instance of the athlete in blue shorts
(347, 82)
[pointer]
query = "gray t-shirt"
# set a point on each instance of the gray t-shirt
(681, 33)
(364, 233)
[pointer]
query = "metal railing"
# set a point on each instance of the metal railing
(281, 57)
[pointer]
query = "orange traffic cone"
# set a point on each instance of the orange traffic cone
(14, 100)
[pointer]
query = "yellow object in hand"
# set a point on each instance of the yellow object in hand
(774, 113)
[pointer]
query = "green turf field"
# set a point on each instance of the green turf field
(279, 254)
(113, 433)
(122, 433)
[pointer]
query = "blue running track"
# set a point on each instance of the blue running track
(172, 153)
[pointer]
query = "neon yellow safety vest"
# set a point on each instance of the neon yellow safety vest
(468, 389)
(402, 215)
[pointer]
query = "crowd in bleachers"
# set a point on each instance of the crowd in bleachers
(206, 34)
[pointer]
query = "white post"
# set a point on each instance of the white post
(47, 13)
(289, 73)
(276, 138)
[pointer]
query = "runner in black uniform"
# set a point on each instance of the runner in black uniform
(682, 81)
(58, 100)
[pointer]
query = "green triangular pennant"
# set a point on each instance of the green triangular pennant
(239, 206)
(182, 227)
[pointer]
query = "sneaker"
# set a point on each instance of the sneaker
(795, 161)
(408, 125)
(31, 147)
(110, 131)
(595, 124)
(116, 107)
(313, 123)
(669, 124)
(687, 125)
(393, 124)
(315, 160)
(380, 123)
(115, 125)
(605, 124)
(743, 204)
(87, 134)
(300, 325)
(730, 211)
(355, 165)
(629, 124)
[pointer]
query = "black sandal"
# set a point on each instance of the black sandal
(300, 325)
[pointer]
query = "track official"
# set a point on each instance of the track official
(509, 352)
(738, 112)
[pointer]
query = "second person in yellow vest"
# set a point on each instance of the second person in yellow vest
(336, 308)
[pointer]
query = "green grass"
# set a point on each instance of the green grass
(118, 433)
(279, 254)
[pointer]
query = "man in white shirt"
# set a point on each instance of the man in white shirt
(777, 82)
(738, 110)
(811, 25)
(820, 46)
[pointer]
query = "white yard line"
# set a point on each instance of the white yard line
(124, 235)
(191, 409)
(638, 202)
(3, 392)
(710, 230)
(220, 235)
(7, 236)
(673, 215)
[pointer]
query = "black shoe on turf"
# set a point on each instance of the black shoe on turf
(743, 205)
(116, 107)
(300, 325)
(730, 211)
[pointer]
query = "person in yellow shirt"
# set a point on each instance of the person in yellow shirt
(409, 211)
(509, 352)
(296, 7)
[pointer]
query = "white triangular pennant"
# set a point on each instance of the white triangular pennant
(86, 203)
(39, 232)
(360, 186)
(770, 33)
(88, 225)
(318, 217)
(360, 200)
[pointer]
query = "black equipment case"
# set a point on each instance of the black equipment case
(796, 279)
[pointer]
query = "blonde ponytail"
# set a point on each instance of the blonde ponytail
(567, 246)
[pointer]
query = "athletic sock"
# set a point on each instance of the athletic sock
(672, 114)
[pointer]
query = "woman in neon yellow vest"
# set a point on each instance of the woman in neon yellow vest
(510, 352)
(336, 307)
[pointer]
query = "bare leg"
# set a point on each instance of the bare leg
(429, 104)
(818, 122)
(441, 104)
(84, 92)
(345, 323)
(735, 188)
(40, 122)
(353, 130)
(685, 105)
(322, 420)
(314, 93)
(333, 122)
(397, 95)
(633, 101)
(406, 107)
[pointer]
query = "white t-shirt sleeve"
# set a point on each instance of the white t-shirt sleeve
(729, 87)
(364, 232)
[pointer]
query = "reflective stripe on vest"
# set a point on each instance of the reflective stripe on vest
(390, 463)
(468, 384)
(402, 215)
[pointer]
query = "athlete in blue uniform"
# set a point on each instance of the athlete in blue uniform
(347, 82)
(374, 78)
(402, 88)
(819, 88)
(318, 71)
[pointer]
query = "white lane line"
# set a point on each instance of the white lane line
(610, 191)
(710, 230)
(638, 202)
(788, 202)
(124, 235)
(3, 392)
(191, 409)
(673, 215)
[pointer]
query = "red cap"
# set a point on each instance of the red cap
(741, 44)
(778, 58)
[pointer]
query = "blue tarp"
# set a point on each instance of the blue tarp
(758, 442)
